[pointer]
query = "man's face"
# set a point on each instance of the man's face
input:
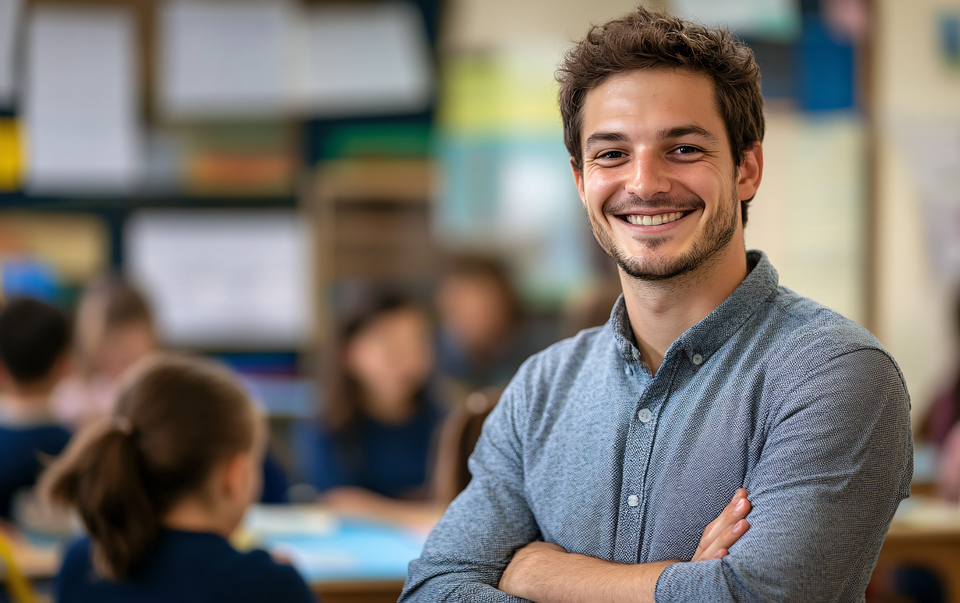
(659, 183)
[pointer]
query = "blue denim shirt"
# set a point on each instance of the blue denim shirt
(771, 392)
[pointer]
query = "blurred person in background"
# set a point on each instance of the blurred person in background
(482, 339)
(940, 427)
(591, 307)
(944, 413)
(114, 329)
(160, 486)
(34, 348)
(371, 450)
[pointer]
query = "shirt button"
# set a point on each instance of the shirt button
(645, 415)
(697, 359)
(633, 500)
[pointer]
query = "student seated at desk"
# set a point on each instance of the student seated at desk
(115, 329)
(33, 347)
(378, 419)
(160, 485)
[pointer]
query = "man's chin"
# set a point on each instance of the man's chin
(645, 272)
(655, 268)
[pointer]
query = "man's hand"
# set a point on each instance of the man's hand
(726, 529)
(545, 572)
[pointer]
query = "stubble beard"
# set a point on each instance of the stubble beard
(717, 234)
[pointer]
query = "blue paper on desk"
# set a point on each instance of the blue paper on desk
(356, 550)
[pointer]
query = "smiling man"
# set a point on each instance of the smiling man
(616, 465)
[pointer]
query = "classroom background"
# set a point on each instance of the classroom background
(252, 165)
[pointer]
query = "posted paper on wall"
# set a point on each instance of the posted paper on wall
(9, 22)
(364, 60)
(224, 278)
(224, 59)
(81, 100)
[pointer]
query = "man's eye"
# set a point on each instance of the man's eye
(686, 150)
(611, 155)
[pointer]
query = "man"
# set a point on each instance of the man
(616, 447)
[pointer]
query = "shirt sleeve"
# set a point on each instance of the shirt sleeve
(837, 460)
(472, 544)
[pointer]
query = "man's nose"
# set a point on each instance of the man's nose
(649, 176)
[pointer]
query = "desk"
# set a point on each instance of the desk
(355, 561)
(925, 532)
(344, 560)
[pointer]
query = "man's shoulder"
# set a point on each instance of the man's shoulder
(544, 376)
(800, 315)
(803, 330)
(590, 347)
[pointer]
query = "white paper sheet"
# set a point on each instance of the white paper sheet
(289, 520)
(219, 59)
(224, 278)
(80, 100)
(9, 26)
(366, 59)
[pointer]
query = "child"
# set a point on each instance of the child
(378, 420)
(114, 329)
(33, 347)
(160, 485)
(483, 335)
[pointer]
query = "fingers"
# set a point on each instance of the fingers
(726, 529)
(719, 548)
(736, 510)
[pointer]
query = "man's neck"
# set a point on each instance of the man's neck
(661, 311)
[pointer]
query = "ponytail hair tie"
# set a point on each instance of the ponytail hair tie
(123, 425)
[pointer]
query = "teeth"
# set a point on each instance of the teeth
(654, 220)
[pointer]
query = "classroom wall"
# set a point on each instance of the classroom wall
(915, 92)
(492, 25)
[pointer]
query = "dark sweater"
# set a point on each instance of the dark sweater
(183, 567)
(22, 448)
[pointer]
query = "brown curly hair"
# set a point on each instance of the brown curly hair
(645, 39)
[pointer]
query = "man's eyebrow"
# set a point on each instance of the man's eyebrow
(688, 130)
(598, 137)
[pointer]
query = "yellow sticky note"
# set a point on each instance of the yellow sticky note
(11, 155)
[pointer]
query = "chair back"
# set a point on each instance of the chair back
(458, 437)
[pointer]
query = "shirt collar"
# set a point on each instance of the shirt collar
(706, 337)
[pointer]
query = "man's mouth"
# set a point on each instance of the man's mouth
(653, 220)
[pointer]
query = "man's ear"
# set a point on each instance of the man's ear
(578, 178)
(750, 172)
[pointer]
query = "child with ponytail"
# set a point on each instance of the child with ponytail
(160, 485)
